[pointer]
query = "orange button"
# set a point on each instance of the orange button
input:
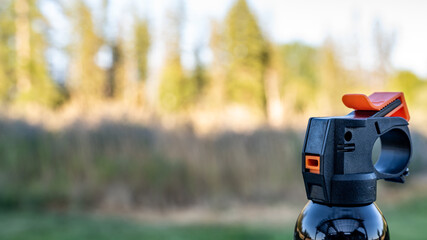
(312, 163)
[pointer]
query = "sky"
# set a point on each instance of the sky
(348, 23)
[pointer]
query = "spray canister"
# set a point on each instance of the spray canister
(339, 175)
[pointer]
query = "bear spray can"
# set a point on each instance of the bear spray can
(340, 177)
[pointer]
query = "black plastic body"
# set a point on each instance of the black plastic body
(347, 175)
(322, 222)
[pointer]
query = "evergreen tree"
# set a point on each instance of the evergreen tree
(410, 84)
(333, 78)
(199, 72)
(298, 70)
(176, 91)
(142, 41)
(217, 69)
(33, 80)
(248, 57)
(117, 75)
(87, 80)
(139, 58)
(384, 42)
(300, 61)
(7, 56)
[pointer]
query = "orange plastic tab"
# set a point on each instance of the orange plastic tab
(376, 102)
(312, 163)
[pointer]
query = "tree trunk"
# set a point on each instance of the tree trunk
(275, 111)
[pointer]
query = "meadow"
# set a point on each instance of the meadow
(81, 181)
(123, 165)
(406, 222)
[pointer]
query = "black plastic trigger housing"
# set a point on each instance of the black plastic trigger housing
(337, 161)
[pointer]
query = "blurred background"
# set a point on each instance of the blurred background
(184, 119)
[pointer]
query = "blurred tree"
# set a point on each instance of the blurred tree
(87, 80)
(22, 43)
(199, 72)
(176, 91)
(116, 74)
(217, 69)
(299, 75)
(300, 60)
(33, 81)
(115, 79)
(333, 79)
(275, 105)
(141, 48)
(383, 42)
(142, 41)
(247, 57)
(7, 56)
(410, 84)
(122, 73)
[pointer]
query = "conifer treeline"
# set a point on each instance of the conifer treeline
(24, 69)
(246, 68)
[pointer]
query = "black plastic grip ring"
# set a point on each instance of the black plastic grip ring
(395, 154)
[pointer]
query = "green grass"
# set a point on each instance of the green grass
(406, 221)
(20, 226)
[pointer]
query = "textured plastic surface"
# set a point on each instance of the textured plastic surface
(321, 222)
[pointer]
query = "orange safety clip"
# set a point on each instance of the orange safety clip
(312, 163)
(376, 102)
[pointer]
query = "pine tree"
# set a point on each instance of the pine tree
(199, 72)
(410, 84)
(384, 42)
(333, 79)
(87, 80)
(217, 69)
(7, 56)
(177, 91)
(22, 44)
(298, 72)
(117, 75)
(33, 82)
(142, 41)
(248, 57)
(139, 59)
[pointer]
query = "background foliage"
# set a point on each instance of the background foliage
(113, 134)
